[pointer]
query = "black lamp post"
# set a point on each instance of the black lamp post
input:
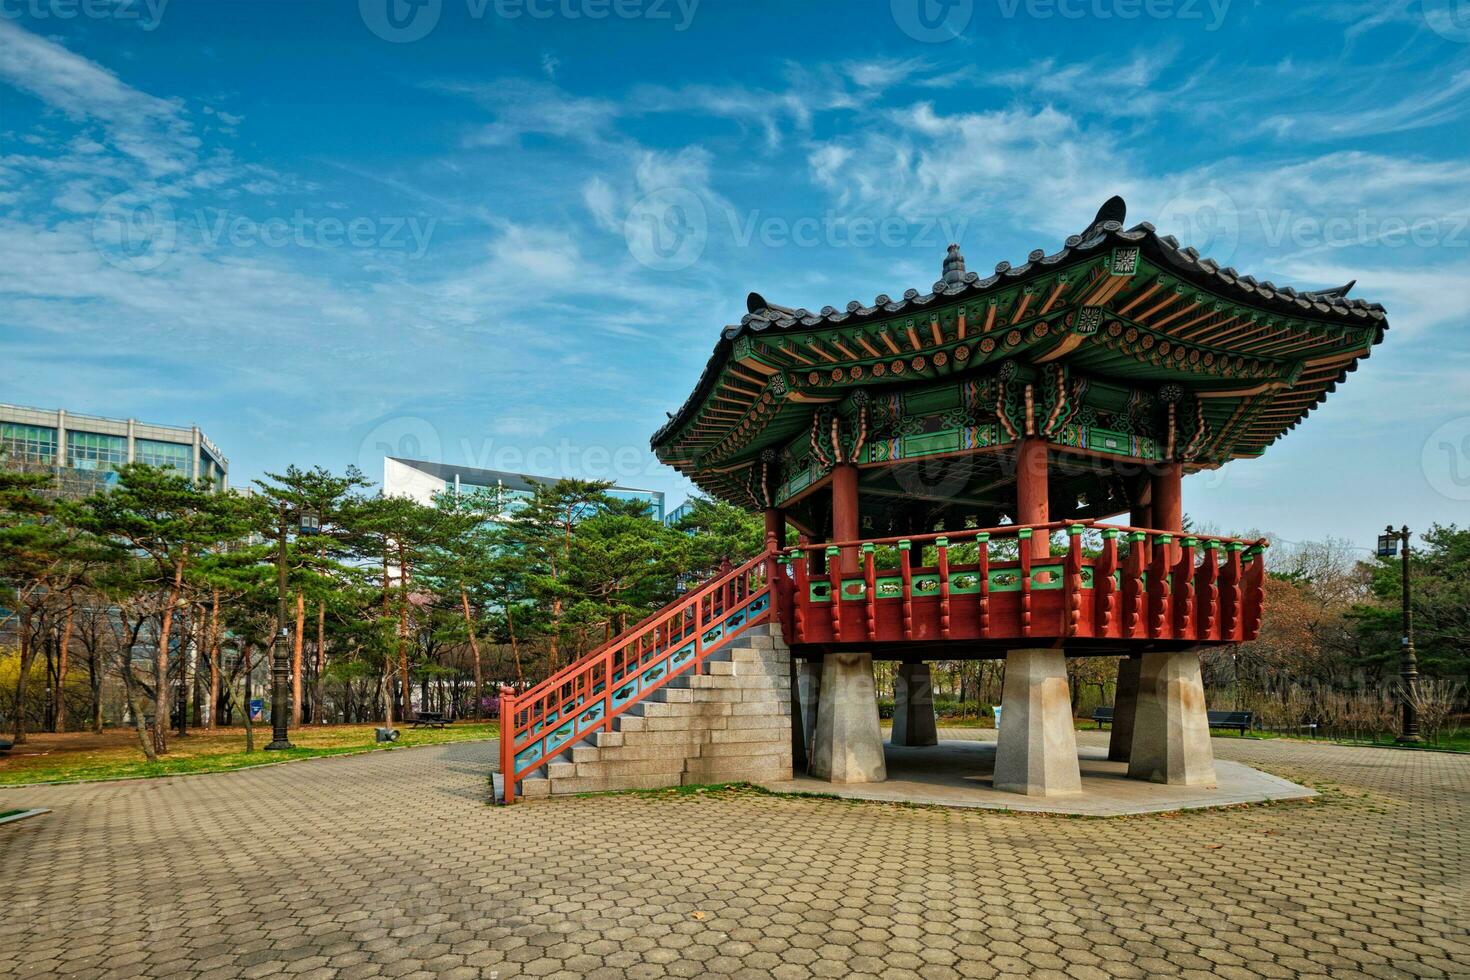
(280, 653)
(1389, 545)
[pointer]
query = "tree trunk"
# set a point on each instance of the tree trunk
(94, 679)
(160, 688)
(469, 623)
(319, 695)
(27, 653)
(188, 634)
(61, 663)
(214, 660)
(405, 681)
(296, 660)
(249, 694)
(146, 739)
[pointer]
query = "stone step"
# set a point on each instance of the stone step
(628, 767)
(772, 726)
(779, 772)
(676, 737)
(665, 709)
(772, 741)
(605, 784)
(720, 769)
(778, 719)
(762, 707)
(639, 753)
(604, 739)
(534, 786)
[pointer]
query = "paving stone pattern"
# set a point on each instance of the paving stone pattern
(391, 864)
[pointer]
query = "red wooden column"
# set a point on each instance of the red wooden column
(1031, 492)
(776, 526)
(1168, 504)
(845, 512)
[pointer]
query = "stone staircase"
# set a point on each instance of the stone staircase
(731, 723)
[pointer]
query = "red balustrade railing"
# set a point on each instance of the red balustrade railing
(1109, 582)
(586, 695)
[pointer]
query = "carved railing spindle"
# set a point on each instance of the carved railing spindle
(982, 541)
(906, 570)
(1072, 583)
(1207, 592)
(1134, 622)
(870, 589)
(1159, 625)
(834, 580)
(941, 546)
(1254, 596)
(1184, 590)
(1023, 537)
(1104, 587)
(803, 590)
(1230, 593)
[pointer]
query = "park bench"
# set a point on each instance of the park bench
(1103, 715)
(429, 719)
(1241, 720)
(6, 745)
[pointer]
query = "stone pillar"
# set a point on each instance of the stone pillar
(806, 685)
(1036, 750)
(1125, 701)
(913, 707)
(848, 747)
(1171, 731)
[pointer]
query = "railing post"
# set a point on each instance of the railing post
(1159, 625)
(941, 547)
(1104, 587)
(1207, 591)
(1072, 583)
(802, 591)
(982, 542)
(906, 570)
(1230, 593)
(1255, 592)
(508, 744)
(1184, 626)
(870, 589)
(1134, 611)
(834, 579)
(1023, 549)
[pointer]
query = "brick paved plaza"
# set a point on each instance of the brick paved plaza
(391, 864)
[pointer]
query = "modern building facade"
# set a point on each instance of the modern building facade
(423, 481)
(86, 450)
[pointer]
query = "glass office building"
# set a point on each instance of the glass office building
(84, 451)
(423, 481)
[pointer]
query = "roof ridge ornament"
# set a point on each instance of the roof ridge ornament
(1114, 210)
(954, 266)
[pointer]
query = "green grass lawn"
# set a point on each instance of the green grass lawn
(84, 757)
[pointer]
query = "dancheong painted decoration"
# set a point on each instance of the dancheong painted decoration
(990, 469)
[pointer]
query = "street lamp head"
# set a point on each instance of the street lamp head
(1388, 543)
(310, 522)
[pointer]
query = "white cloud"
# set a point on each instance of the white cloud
(152, 131)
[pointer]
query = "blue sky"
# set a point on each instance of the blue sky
(507, 232)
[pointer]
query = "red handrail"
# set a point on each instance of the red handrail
(585, 690)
